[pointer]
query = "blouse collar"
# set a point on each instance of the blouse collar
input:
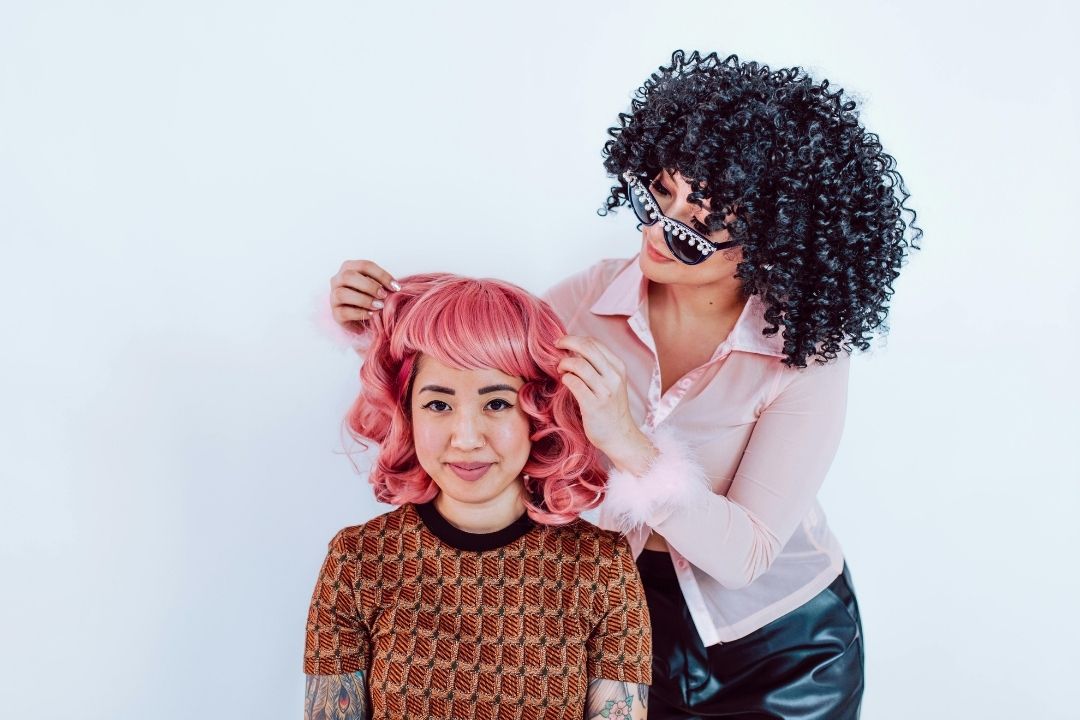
(627, 294)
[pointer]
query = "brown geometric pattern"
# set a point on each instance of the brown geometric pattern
(514, 632)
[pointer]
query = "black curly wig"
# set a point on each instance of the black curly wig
(819, 207)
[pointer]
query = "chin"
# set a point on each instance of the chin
(473, 493)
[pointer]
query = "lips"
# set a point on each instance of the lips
(470, 471)
(655, 254)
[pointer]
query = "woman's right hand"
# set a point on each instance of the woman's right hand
(357, 291)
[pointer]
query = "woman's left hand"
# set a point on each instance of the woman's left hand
(597, 379)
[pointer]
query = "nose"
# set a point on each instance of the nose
(678, 207)
(654, 233)
(468, 433)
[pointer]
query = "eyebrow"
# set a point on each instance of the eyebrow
(438, 389)
(494, 388)
(482, 391)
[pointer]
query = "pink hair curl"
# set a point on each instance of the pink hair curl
(472, 324)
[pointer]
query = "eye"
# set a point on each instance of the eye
(436, 406)
(695, 224)
(499, 404)
(659, 189)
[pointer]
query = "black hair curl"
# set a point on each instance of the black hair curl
(819, 206)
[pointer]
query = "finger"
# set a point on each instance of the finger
(614, 360)
(578, 389)
(346, 313)
(347, 296)
(354, 280)
(584, 372)
(372, 270)
(587, 348)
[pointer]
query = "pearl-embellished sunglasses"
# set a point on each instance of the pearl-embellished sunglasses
(686, 244)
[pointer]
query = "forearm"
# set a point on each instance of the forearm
(721, 539)
(336, 697)
(673, 496)
(633, 453)
(611, 699)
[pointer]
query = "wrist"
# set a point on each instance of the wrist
(632, 452)
(673, 480)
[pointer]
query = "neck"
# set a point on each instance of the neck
(483, 517)
(719, 299)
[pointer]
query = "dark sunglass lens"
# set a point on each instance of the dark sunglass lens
(685, 251)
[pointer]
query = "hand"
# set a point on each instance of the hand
(357, 291)
(597, 379)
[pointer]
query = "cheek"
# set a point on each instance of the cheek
(512, 437)
(428, 439)
(719, 267)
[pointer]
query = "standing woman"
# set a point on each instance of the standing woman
(712, 371)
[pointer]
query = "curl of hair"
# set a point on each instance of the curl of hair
(474, 324)
(819, 207)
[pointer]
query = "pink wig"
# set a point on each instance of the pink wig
(469, 325)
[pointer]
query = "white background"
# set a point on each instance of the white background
(179, 180)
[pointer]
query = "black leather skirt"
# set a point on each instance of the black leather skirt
(807, 664)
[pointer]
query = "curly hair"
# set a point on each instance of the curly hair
(819, 208)
(474, 324)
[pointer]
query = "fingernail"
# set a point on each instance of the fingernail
(380, 293)
(378, 304)
(394, 285)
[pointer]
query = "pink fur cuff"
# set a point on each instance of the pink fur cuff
(323, 318)
(675, 479)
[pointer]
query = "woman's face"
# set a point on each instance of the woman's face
(471, 436)
(657, 264)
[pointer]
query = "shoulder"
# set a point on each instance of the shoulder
(589, 542)
(347, 540)
(584, 286)
(592, 279)
(831, 375)
(351, 540)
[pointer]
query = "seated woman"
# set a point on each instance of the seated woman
(483, 594)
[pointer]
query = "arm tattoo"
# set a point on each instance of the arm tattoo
(335, 697)
(616, 700)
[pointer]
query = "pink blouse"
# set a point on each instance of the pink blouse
(745, 443)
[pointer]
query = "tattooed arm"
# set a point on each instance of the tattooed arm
(336, 697)
(616, 700)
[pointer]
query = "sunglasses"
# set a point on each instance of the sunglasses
(686, 244)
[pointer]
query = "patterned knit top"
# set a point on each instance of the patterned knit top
(449, 624)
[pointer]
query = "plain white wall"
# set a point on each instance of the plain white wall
(179, 180)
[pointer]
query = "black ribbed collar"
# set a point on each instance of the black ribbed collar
(441, 528)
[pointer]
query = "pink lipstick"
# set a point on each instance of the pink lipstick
(470, 471)
(654, 255)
